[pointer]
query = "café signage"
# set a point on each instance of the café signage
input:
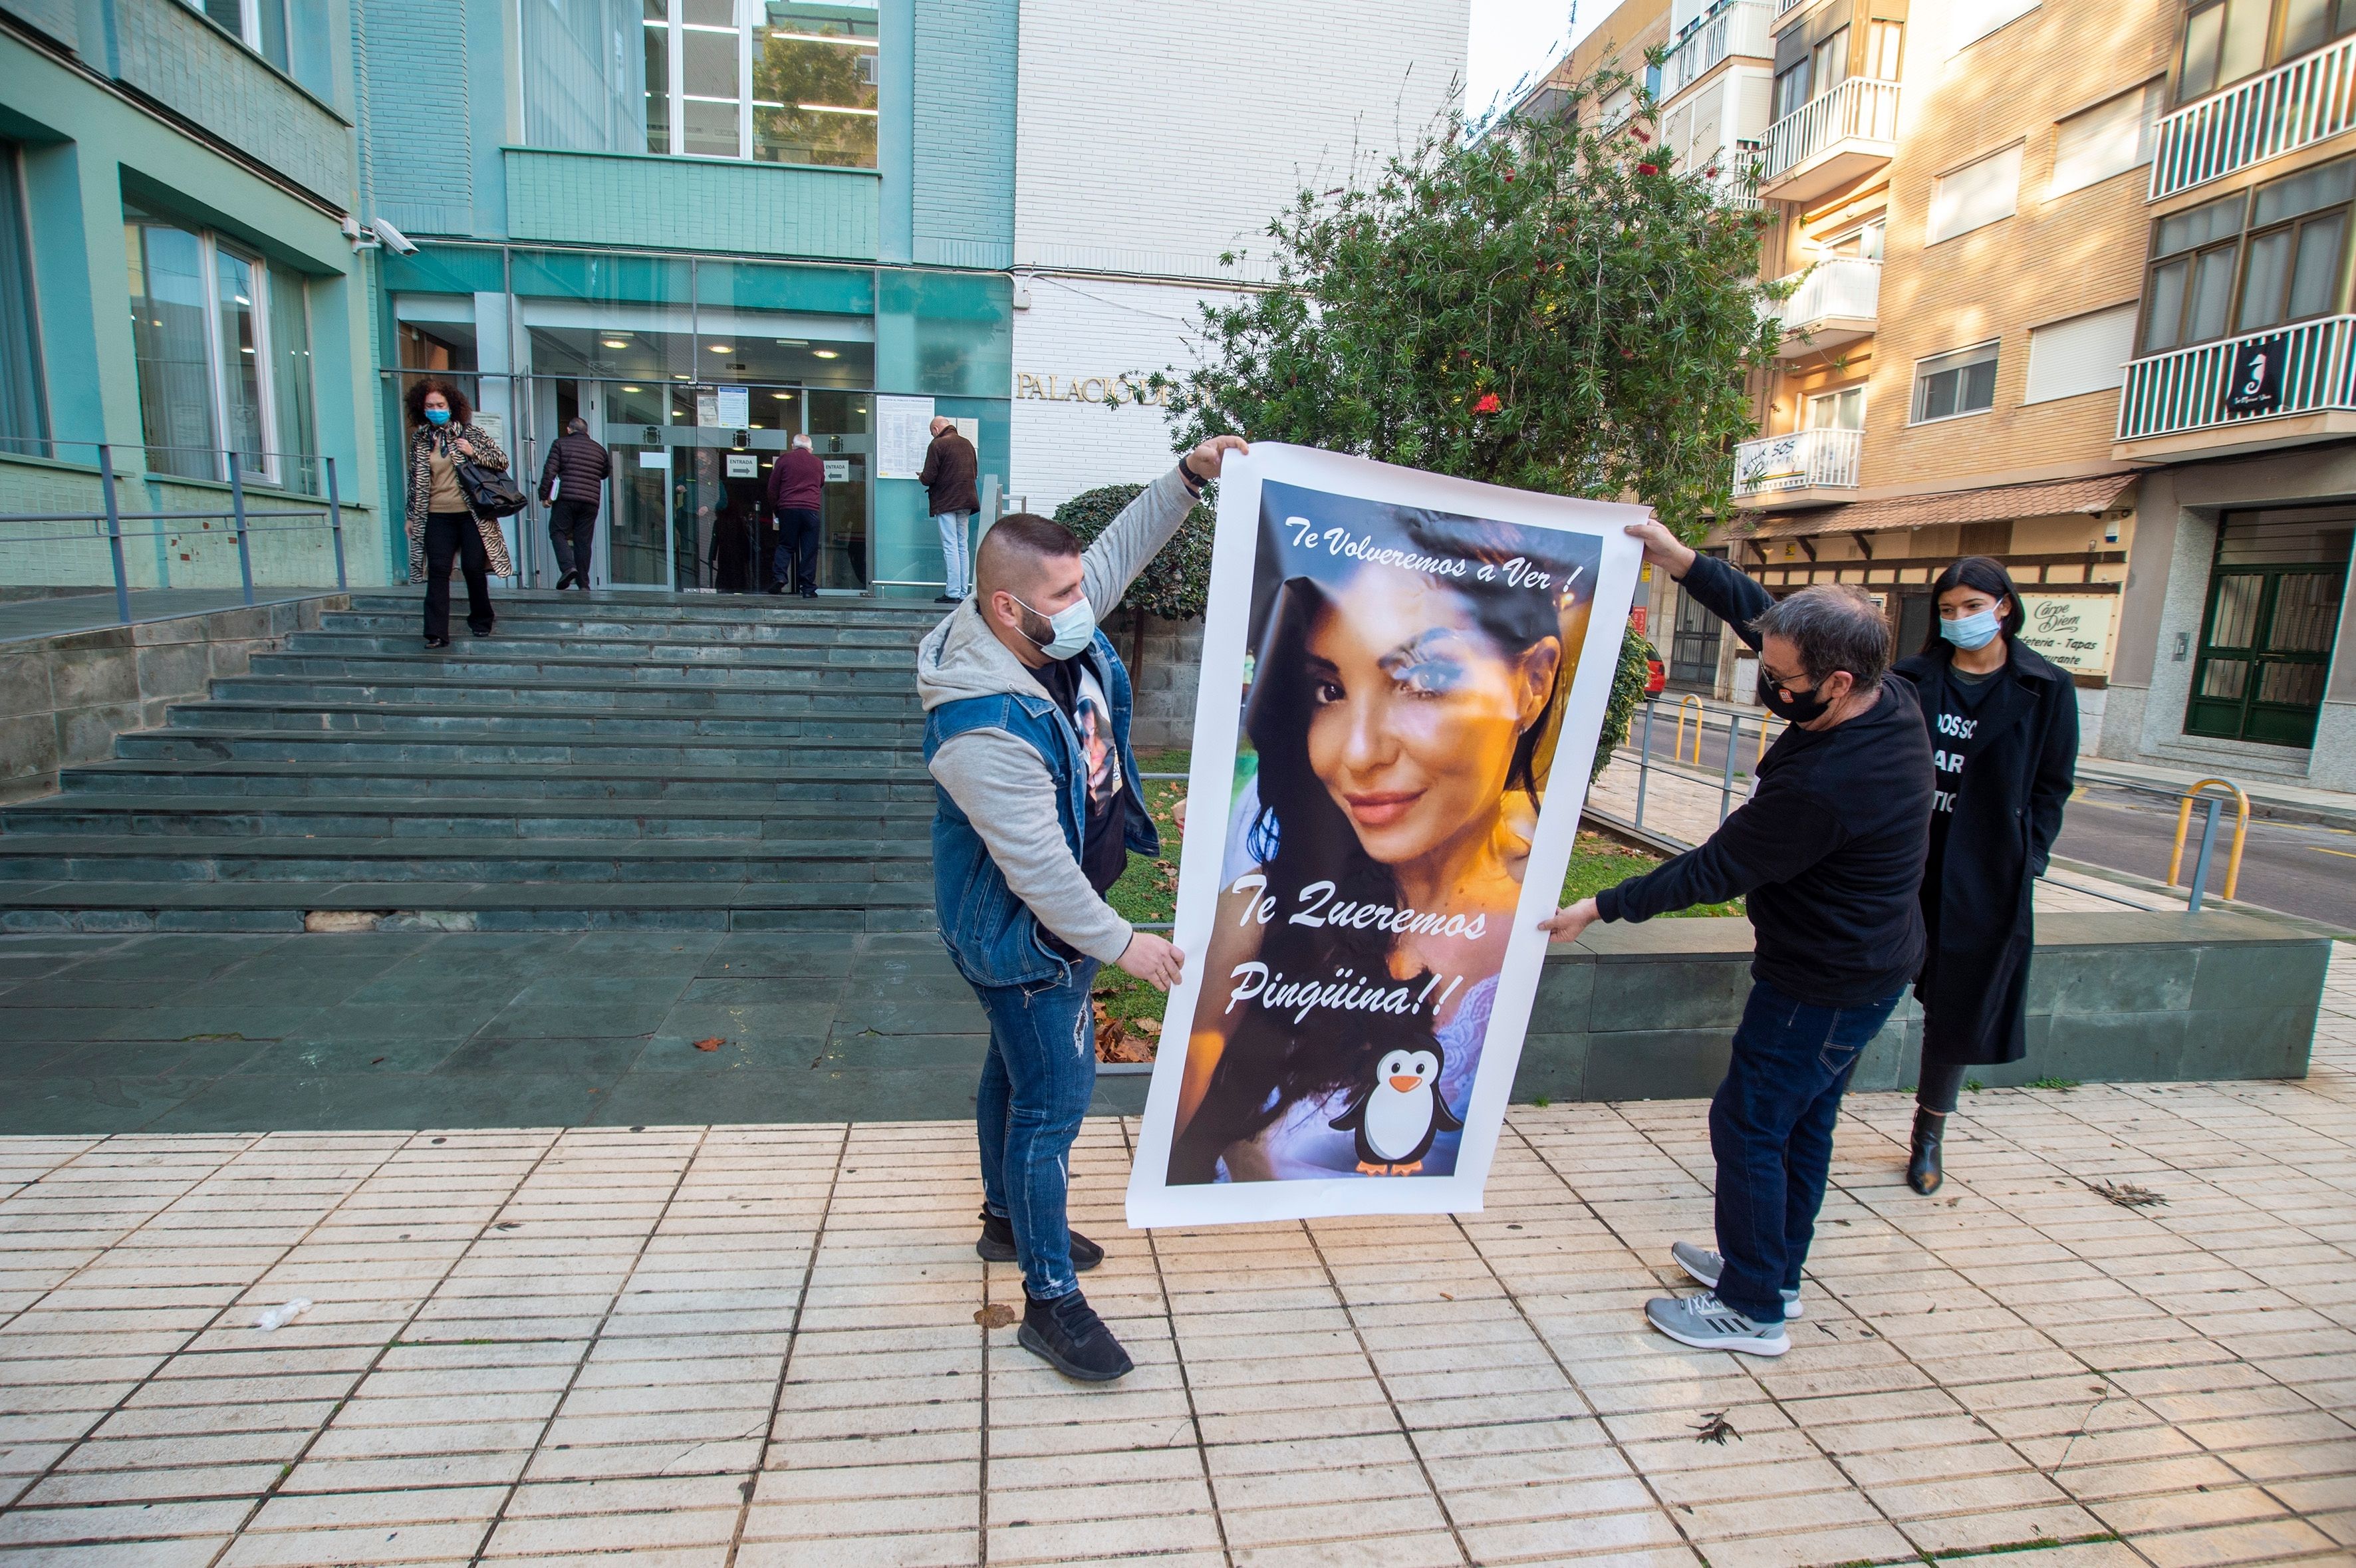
(2072, 630)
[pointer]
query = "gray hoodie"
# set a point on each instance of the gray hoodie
(996, 778)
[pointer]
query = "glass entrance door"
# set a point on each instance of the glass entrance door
(842, 432)
(2265, 651)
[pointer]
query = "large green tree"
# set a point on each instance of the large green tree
(1551, 306)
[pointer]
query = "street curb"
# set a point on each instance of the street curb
(2271, 807)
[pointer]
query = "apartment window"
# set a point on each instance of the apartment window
(2086, 353)
(1885, 45)
(2190, 288)
(2114, 136)
(1792, 88)
(2224, 41)
(260, 24)
(2296, 249)
(1842, 409)
(772, 80)
(1975, 194)
(23, 414)
(1863, 242)
(2310, 23)
(223, 355)
(1947, 385)
(1969, 21)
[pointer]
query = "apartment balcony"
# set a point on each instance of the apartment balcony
(2295, 105)
(1834, 305)
(1807, 467)
(2284, 387)
(1735, 29)
(1831, 141)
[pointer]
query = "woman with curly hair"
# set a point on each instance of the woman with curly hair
(443, 527)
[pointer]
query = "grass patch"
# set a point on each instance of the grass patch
(1128, 1011)
(2053, 1083)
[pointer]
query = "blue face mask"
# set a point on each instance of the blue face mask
(1968, 632)
(437, 416)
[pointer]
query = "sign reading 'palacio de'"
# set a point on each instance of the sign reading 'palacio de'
(1123, 388)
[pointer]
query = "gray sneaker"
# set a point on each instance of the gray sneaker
(1703, 1267)
(1707, 1322)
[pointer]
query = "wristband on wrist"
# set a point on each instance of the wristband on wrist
(1193, 482)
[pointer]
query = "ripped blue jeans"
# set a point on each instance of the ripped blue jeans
(1035, 1086)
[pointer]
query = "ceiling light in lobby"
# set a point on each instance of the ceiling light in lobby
(615, 342)
(826, 353)
(721, 349)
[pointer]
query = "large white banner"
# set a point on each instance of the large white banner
(1403, 678)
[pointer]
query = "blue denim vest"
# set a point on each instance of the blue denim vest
(991, 933)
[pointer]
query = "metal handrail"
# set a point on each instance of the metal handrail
(2185, 389)
(2296, 104)
(1823, 457)
(1861, 106)
(239, 516)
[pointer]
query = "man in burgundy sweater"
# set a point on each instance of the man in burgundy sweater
(797, 487)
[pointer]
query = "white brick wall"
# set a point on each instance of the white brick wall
(1084, 329)
(1150, 138)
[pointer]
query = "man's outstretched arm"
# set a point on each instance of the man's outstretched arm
(1717, 587)
(1145, 525)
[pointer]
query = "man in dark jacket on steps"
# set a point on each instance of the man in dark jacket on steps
(573, 488)
(796, 491)
(950, 467)
(1830, 849)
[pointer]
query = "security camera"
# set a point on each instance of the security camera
(400, 243)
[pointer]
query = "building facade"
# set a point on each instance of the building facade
(181, 309)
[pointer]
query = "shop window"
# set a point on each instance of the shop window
(2114, 136)
(24, 412)
(1949, 386)
(223, 351)
(1975, 194)
(769, 80)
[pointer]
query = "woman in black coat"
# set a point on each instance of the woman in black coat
(2004, 746)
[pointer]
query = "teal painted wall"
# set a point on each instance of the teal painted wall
(619, 198)
(962, 154)
(410, 59)
(58, 18)
(184, 62)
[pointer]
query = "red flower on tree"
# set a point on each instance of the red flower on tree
(1648, 168)
(1488, 403)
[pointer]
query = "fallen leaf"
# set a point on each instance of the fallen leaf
(713, 1044)
(1445, 1296)
(2127, 1195)
(997, 1315)
(1714, 1427)
(1148, 1026)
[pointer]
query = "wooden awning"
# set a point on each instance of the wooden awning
(1992, 503)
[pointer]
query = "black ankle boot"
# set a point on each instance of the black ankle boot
(1922, 1172)
(1067, 1333)
(997, 1244)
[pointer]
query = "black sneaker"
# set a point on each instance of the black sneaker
(997, 1244)
(1068, 1335)
(948, 600)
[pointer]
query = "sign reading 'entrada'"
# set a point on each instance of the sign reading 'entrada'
(1123, 388)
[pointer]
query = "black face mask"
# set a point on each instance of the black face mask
(1800, 708)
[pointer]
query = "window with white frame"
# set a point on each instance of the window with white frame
(1951, 384)
(788, 81)
(1842, 409)
(2110, 138)
(223, 345)
(23, 410)
(2083, 354)
(259, 24)
(1974, 195)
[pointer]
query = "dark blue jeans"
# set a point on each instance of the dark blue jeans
(1035, 1087)
(1770, 1128)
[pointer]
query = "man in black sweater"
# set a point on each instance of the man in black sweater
(1829, 849)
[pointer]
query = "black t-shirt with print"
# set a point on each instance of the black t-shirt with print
(1955, 735)
(1104, 848)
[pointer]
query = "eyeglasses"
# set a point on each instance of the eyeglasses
(1783, 688)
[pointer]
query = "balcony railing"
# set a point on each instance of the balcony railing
(2188, 388)
(2292, 106)
(1859, 107)
(1783, 6)
(1735, 28)
(1804, 460)
(1847, 287)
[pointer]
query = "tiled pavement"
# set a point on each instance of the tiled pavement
(758, 1345)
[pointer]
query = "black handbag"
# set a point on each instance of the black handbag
(489, 491)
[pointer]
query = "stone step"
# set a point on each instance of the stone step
(897, 700)
(732, 610)
(406, 631)
(489, 719)
(456, 751)
(132, 906)
(166, 815)
(319, 778)
(102, 857)
(605, 647)
(484, 665)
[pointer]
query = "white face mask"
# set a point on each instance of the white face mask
(1074, 627)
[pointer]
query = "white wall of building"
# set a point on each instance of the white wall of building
(1151, 138)
(1079, 336)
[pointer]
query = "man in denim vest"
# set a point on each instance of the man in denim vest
(1027, 737)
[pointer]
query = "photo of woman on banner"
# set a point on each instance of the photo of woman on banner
(1409, 671)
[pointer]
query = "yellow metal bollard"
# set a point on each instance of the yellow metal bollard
(1677, 743)
(1764, 726)
(2241, 832)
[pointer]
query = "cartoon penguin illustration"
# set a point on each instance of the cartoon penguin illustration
(1398, 1114)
